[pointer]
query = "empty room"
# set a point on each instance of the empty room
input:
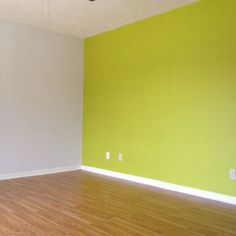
(117, 117)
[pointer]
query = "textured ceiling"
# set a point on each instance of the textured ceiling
(83, 18)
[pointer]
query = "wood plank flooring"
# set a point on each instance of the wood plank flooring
(80, 203)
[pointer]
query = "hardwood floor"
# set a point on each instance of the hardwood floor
(80, 203)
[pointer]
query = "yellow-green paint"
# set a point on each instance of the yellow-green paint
(163, 92)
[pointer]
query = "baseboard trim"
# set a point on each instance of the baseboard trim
(164, 185)
(38, 172)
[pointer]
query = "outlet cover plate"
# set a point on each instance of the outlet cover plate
(232, 174)
(107, 155)
(120, 157)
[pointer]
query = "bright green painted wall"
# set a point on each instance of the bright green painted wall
(163, 92)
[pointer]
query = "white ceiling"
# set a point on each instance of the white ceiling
(83, 18)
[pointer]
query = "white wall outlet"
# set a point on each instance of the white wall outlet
(120, 157)
(232, 174)
(107, 155)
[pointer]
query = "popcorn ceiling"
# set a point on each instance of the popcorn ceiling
(82, 18)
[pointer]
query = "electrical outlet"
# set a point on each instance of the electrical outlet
(107, 155)
(120, 157)
(232, 174)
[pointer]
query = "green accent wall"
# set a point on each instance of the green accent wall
(163, 92)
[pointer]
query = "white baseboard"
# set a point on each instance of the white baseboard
(38, 172)
(164, 185)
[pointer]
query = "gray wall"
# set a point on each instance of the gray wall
(41, 76)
